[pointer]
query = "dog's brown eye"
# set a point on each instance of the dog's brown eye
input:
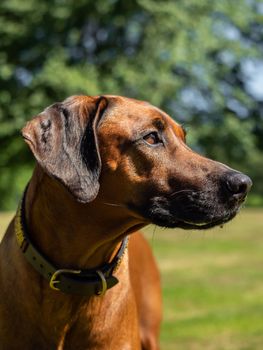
(152, 138)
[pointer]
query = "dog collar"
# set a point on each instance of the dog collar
(86, 282)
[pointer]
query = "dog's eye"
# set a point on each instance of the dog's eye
(152, 138)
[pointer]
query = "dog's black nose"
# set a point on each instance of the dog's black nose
(238, 184)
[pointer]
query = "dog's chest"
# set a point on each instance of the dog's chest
(106, 325)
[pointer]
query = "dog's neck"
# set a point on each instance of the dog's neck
(70, 234)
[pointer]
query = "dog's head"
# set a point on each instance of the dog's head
(133, 155)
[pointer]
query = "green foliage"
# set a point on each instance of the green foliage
(185, 56)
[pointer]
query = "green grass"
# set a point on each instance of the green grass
(212, 284)
(5, 218)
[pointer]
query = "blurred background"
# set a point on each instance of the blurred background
(199, 60)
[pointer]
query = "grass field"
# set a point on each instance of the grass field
(212, 284)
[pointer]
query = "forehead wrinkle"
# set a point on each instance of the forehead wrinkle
(130, 122)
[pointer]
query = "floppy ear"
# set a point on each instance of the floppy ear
(63, 140)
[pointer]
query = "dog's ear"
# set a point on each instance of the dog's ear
(63, 140)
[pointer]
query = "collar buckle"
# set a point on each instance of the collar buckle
(54, 281)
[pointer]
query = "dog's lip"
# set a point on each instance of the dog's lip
(188, 225)
(196, 226)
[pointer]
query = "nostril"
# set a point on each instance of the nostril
(238, 184)
(243, 188)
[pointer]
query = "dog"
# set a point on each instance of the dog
(106, 167)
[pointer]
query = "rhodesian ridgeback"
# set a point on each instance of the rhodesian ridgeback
(106, 167)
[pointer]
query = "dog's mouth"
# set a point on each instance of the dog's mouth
(196, 217)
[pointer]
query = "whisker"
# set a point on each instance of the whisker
(153, 236)
(114, 204)
(182, 191)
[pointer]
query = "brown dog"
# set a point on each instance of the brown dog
(107, 166)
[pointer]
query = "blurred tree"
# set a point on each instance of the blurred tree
(200, 60)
